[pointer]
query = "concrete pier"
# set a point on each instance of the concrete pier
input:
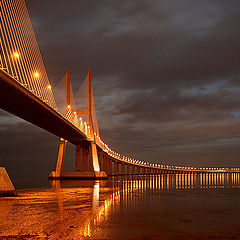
(79, 175)
(6, 186)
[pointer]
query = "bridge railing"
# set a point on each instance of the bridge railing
(139, 163)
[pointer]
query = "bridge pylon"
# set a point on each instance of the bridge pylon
(87, 160)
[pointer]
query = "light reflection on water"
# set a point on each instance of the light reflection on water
(71, 209)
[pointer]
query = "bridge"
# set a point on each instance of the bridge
(26, 92)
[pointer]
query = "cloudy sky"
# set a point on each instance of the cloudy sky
(165, 75)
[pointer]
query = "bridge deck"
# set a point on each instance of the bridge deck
(18, 100)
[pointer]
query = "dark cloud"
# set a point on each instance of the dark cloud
(165, 74)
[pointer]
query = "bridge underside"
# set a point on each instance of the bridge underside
(18, 100)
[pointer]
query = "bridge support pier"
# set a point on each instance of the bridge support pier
(100, 157)
(105, 164)
(128, 169)
(116, 168)
(90, 158)
(86, 157)
(60, 158)
(110, 166)
(122, 169)
(133, 170)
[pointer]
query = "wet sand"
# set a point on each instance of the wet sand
(159, 207)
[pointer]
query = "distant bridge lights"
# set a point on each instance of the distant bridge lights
(49, 87)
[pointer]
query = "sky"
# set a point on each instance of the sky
(166, 78)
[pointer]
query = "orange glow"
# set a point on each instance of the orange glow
(36, 75)
(49, 87)
(69, 106)
(16, 55)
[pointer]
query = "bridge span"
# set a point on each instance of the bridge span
(19, 101)
(26, 105)
(26, 92)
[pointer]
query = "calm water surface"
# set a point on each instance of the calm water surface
(198, 206)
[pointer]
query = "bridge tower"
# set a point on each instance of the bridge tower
(87, 162)
(94, 154)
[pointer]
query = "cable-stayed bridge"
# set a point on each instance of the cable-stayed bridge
(26, 92)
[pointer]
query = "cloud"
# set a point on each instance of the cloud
(165, 74)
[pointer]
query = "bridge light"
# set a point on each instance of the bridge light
(16, 55)
(36, 75)
(49, 87)
(69, 106)
(75, 113)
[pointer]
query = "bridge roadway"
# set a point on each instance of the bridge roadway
(18, 100)
(114, 166)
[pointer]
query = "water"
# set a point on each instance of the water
(197, 206)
